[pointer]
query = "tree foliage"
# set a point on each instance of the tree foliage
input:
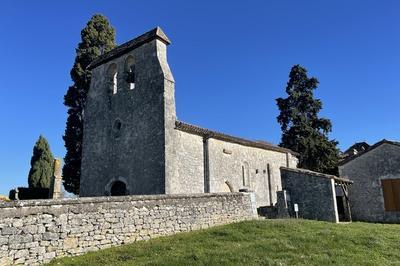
(96, 38)
(41, 165)
(302, 130)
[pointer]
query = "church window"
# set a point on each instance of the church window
(112, 78)
(246, 174)
(130, 73)
(269, 183)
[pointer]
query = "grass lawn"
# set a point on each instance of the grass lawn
(261, 242)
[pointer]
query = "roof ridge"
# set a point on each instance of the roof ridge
(370, 148)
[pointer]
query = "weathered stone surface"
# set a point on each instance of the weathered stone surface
(49, 236)
(132, 136)
(367, 171)
(88, 224)
(247, 167)
(18, 239)
(125, 137)
(314, 194)
(21, 254)
(10, 231)
(3, 240)
(72, 242)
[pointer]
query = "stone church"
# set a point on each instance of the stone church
(134, 144)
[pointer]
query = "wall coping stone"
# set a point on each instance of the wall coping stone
(85, 200)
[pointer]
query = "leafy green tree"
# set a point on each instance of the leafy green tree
(41, 165)
(302, 130)
(96, 38)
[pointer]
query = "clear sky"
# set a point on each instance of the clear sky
(230, 60)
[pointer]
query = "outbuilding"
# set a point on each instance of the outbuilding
(375, 194)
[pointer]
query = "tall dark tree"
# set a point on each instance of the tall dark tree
(96, 38)
(303, 131)
(41, 165)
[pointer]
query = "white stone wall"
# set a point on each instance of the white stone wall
(227, 167)
(33, 232)
(188, 176)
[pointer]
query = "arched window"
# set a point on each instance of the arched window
(130, 72)
(246, 174)
(118, 189)
(112, 78)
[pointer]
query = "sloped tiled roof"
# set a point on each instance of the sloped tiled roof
(358, 147)
(312, 173)
(376, 145)
(224, 137)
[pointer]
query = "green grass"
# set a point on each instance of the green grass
(261, 242)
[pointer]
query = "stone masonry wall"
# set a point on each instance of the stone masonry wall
(230, 161)
(188, 167)
(125, 131)
(33, 232)
(367, 172)
(313, 192)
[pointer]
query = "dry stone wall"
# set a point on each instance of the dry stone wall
(33, 232)
(313, 192)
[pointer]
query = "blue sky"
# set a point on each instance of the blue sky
(230, 60)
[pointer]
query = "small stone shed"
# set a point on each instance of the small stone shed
(375, 195)
(318, 196)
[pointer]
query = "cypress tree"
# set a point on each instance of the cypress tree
(96, 38)
(303, 131)
(41, 165)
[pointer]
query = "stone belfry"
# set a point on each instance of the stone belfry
(129, 118)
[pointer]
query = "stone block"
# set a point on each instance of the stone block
(3, 241)
(18, 239)
(70, 243)
(50, 236)
(21, 254)
(10, 231)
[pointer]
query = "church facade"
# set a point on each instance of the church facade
(134, 144)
